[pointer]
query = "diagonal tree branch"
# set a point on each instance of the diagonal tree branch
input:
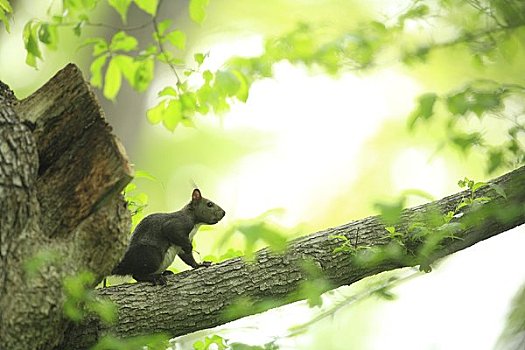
(199, 299)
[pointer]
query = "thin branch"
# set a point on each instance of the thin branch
(162, 49)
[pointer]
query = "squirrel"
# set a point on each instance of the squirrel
(160, 237)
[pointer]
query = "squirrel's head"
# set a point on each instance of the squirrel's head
(205, 211)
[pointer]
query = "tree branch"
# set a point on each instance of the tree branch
(199, 299)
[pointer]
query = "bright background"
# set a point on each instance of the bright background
(325, 150)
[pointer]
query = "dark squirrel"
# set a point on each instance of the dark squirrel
(160, 237)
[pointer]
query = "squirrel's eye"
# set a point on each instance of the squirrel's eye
(209, 204)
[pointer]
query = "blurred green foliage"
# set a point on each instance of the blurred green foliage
(81, 300)
(478, 99)
(212, 342)
(257, 230)
(5, 12)
(150, 342)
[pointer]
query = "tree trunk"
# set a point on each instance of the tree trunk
(61, 212)
(203, 298)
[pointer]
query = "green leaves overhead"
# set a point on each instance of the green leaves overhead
(137, 70)
(479, 99)
(181, 103)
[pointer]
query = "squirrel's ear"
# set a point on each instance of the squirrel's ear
(196, 195)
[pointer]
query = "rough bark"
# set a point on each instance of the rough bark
(198, 299)
(61, 174)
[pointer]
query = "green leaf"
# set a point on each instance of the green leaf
(207, 76)
(5, 20)
(465, 141)
(199, 58)
(105, 309)
(314, 285)
(96, 70)
(144, 74)
(5, 11)
(464, 203)
(76, 287)
(415, 12)
(477, 186)
(168, 91)
(424, 109)
(126, 66)
(390, 229)
(172, 115)
(499, 190)
(244, 88)
(48, 34)
(465, 182)
(122, 41)
(227, 83)
(142, 174)
(189, 104)
(217, 341)
(113, 79)
(31, 43)
(390, 212)
(156, 114)
(197, 9)
(121, 6)
(79, 5)
(4, 5)
(100, 45)
(177, 39)
(77, 30)
(485, 101)
(148, 6)
(458, 104)
(495, 160)
(163, 26)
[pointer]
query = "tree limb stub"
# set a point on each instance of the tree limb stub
(81, 162)
(198, 299)
(61, 174)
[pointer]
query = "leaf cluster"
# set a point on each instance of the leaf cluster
(422, 236)
(259, 230)
(479, 99)
(80, 299)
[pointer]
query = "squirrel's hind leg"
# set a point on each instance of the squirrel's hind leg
(154, 279)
